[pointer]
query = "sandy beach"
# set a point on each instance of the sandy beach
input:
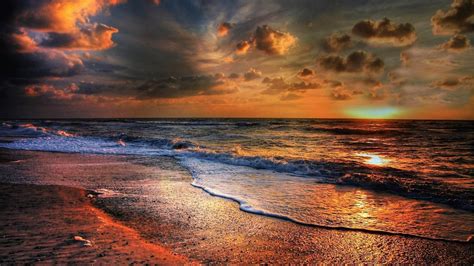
(57, 224)
(149, 212)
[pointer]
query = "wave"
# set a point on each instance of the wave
(397, 181)
(402, 182)
(244, 206)
(28, 129)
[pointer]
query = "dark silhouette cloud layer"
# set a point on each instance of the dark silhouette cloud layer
(457, 43)
(337, 42)
(184, 87)
(355, 62)
(385, 32)
(458, 18)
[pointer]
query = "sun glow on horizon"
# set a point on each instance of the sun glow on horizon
(373, 112)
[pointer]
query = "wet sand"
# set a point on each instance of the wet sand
(45, 224)
(153, 197)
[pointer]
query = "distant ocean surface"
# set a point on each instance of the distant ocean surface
(393, 176)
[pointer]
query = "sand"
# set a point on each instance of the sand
(41, 223)
(151, 201)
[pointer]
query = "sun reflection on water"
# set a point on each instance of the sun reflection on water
(374, 159)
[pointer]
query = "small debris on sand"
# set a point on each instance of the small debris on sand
(85, 242)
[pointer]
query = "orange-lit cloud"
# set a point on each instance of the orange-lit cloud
(63, 15)
(224, 29)
(243, 47)
(67, 24)
(385, 32)
(23, 43)
(457, 43)
(93, 37)
(273, 41)
(52, 92)
(457, 19)
(269, 40)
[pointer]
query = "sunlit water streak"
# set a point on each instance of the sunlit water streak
(373, 175)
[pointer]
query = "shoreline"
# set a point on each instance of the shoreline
(154, 198)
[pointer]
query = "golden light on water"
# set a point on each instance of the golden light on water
(374, 159)
(373, 112)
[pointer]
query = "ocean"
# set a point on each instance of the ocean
(407, 177)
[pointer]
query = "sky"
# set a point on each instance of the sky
(217, 58)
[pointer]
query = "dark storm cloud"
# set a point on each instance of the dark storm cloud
(385, 32)
(457, 43)
(458, 18)
(336, 42)
(356, 62)
(184, 87)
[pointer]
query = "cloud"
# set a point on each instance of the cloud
(355, 62)
(457, 43)
(90, 37)
(66, 24)
(454, 83)
(43, 63)
(269, 40)
(252, 74)
(279, 85)
(336, 42)
(243, 47)
(234, 76)
(185, 87)
(49, 91)
(457, 19)
(56, 24)
(305, 73)
(405, 57)
(377, 92)
(385, 32)
(22, 42)
(61, 15)
(224, 29)
(272, 41)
